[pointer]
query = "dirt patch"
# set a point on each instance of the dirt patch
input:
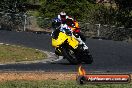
(8, 76)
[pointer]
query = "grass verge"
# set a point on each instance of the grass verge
(57, 84)
(13, 53)
(48, 80)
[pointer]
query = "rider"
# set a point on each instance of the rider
(62, 16)
(64, 19)
(59, 22)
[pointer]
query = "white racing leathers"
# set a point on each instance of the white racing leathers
(64, 26)
(85, 47)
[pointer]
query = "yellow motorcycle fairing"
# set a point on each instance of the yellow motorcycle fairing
(62, 38)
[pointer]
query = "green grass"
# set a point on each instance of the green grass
(57, 84)
(13, 53)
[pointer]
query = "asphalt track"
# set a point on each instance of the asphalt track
(109, 56)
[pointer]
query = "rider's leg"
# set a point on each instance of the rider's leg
(81, 42)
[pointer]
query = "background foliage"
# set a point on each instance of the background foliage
(116, 12)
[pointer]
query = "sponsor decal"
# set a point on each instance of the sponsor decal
(83, 78)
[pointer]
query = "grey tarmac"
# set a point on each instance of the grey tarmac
(108, 55)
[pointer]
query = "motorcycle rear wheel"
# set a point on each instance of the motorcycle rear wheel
(88, 59)
(84, 55)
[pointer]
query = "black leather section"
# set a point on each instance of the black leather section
(55, 34)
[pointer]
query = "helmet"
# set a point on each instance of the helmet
(56, 23)
(62, 15)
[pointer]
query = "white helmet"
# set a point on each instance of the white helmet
(62, 13)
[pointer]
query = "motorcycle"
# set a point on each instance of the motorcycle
(68, 46)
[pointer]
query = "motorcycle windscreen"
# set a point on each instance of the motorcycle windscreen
(60, 40)
(73, 42)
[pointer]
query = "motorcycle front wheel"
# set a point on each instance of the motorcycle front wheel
(70, 55)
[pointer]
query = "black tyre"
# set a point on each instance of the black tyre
(86, 57)
(70, 55)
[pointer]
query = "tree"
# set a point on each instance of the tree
(124, 16)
